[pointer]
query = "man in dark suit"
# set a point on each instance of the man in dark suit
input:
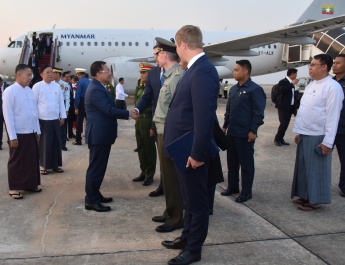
(193, 107)
(34, 65)
(285, 104)
(3, 85)
(100, 134)
(153, 85)
(40, 46)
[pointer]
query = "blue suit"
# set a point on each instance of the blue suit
(193, 107)
(82, 86)
(100, 134)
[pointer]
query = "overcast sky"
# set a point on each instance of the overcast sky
(20, 16)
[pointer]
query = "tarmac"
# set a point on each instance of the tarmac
(52, 227)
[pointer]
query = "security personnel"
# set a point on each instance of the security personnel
(143, 132)
(82, 85)
(65, 90)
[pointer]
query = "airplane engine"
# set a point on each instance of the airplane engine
(224, 72)
(121, 67)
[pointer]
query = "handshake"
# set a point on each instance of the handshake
(134, 114)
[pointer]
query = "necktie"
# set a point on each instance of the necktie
(162, 76)
(33, 61)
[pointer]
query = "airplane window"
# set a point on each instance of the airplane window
(88, 43)
(130, 43)
(96, 43)
(137, 44)
(61, 43)
(75, 43)
(116, 44)
(12, 44)
(269, 46)
(109, 43)
(123, 44)
(275, 46)
(146, 44)
(19, 44)
(102, 43)
(67, 43)
(81, 43)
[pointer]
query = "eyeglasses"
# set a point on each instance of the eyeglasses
(313, 64)
(143, 72)
(156, 53)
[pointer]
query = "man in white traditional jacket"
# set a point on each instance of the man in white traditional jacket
(316, 126)
(51, 114)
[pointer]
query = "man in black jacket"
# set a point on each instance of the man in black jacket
(285, 104)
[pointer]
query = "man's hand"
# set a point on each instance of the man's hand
(134, 114)
(152, 133)
(325, 150)
(194, 163)
(62, 121)
(38, 137)
(295, 81)
(14, 143)
(251, 137)
(66, 113)
(224, 130)
(76, 111)
(296, 139)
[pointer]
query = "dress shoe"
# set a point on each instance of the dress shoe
(64, 148)
(106, 199)
(176, 244)
(76, 143)
(229, 192)
(284, 143)
(210, 212)
(342, 193)
(184, 258)
(277, 143)
(0, 147)
(156, 193)
(98, 207)
(67, 139)
(71, 136)
(139, 179)
(147, 182)
(164, 228)
(158, 219)
(135, 150)
(243, 198)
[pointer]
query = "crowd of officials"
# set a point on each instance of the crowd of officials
(175, 104)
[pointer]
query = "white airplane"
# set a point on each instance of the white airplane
(318, 30)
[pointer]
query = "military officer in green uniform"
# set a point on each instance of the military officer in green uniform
(172, 217)
(143, 132)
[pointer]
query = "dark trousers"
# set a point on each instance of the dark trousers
(284, 119)
(120, 104)
(70, 120)
(173, 200)
(98, 161)
(1, 125)
(80, 120)
(340, 144)
(63, 134)
(240, 153)
(225, 94)
(211, 190)
(193, 184)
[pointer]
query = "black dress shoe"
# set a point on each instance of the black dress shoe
(156, 193)
(184, 258)
(64, 148)
(135, 150)
(244, 198)
(72, 136)
(210, 212)
(76, 143)
(139, 179)
(106, 199)
(277, 143)
(284, 143)
(147, 182)
(176, 244)
(229, 192)
(98, 207)
(164, 228)
(158, 219)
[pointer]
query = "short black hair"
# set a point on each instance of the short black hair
(96, 67)
(325, 59)
(44, 67)
(340, 55)
(291, 71)
(21, 67)
(66, 73)
(120, 79)
(245, 64)
(75, 78)
(1, 79)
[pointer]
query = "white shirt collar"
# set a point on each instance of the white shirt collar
(288, 78)
(193, 60)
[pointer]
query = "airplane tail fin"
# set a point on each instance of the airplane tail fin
(323, 9)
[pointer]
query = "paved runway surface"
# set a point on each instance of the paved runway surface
(52, 227)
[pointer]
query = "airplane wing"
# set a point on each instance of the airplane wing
(296, 34)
